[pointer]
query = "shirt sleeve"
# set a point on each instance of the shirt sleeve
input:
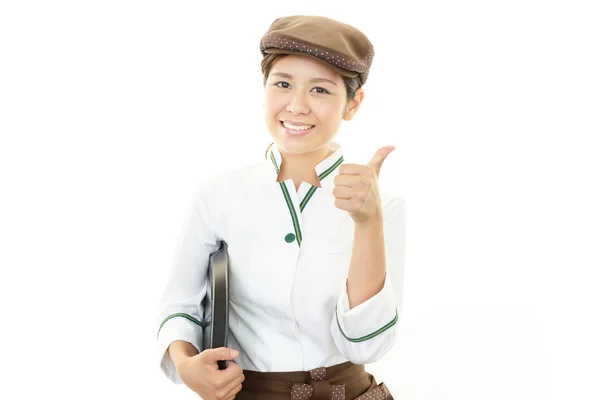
(367, 332)
(180, 312)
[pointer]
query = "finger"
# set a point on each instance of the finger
(220, 353)
(232, 372)
(236, 382)
(348, 180)
(355, 169)
(231, 394)
(346, 205)
(233, 387)
(230, 398)
(344, 192)
(379, 157)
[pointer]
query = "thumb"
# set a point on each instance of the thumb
(221, 353)
(380, 156)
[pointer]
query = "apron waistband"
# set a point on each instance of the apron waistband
(281, 383)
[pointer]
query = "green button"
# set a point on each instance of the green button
(290, 237)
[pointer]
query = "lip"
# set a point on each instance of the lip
(296, 123)
(294, 133)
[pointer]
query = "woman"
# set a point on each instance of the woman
(316, 249)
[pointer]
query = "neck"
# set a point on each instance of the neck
(301, 167)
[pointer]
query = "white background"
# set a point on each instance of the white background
(111, 113)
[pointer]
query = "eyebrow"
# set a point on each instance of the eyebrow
(288, 76)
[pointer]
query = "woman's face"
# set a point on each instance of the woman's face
(303, 91)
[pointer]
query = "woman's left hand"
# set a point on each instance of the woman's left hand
(356, 188)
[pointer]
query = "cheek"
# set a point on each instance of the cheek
(328, 114)
(273, 104)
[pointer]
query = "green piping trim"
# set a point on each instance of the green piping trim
(370, 335)
(186, 316)
(292, 211)
(332, 168)
(274, 162)
(306, 199)
(313, 189)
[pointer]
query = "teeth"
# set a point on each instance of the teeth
(297, 128)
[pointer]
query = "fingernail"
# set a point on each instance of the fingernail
(234, 353)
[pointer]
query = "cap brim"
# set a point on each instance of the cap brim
(341, 71)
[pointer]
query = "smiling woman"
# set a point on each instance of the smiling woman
(305, 102)
(304, 105)
(351, 83)
(315, 294)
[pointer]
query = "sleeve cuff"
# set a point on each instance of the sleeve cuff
(370, 318)
(177, 327)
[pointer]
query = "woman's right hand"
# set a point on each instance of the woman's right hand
(202, 374)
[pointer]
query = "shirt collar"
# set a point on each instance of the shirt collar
(323, 169)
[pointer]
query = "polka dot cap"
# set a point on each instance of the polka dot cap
(338, 60)
(343, 47)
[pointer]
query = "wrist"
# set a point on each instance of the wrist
(180, 351)
(369, 223)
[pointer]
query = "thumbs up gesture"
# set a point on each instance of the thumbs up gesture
(356, 188)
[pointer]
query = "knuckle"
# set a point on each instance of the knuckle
(219, 383)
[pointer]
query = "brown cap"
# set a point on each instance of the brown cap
(342, 47)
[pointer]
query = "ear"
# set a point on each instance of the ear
(354, 104)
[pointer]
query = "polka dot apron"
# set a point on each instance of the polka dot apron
(346, 381)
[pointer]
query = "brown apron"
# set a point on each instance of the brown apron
(345, 381)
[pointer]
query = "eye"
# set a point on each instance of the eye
(323, 90)
(285, 83)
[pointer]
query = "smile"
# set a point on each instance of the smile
(293, 130)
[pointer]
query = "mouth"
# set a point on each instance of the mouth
(295, 130)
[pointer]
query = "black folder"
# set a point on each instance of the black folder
(216, 302)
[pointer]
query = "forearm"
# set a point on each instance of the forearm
(180, 350)
(366, 275)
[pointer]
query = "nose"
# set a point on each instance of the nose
(297, 104)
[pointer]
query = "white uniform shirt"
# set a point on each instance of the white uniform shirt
(289, 255)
